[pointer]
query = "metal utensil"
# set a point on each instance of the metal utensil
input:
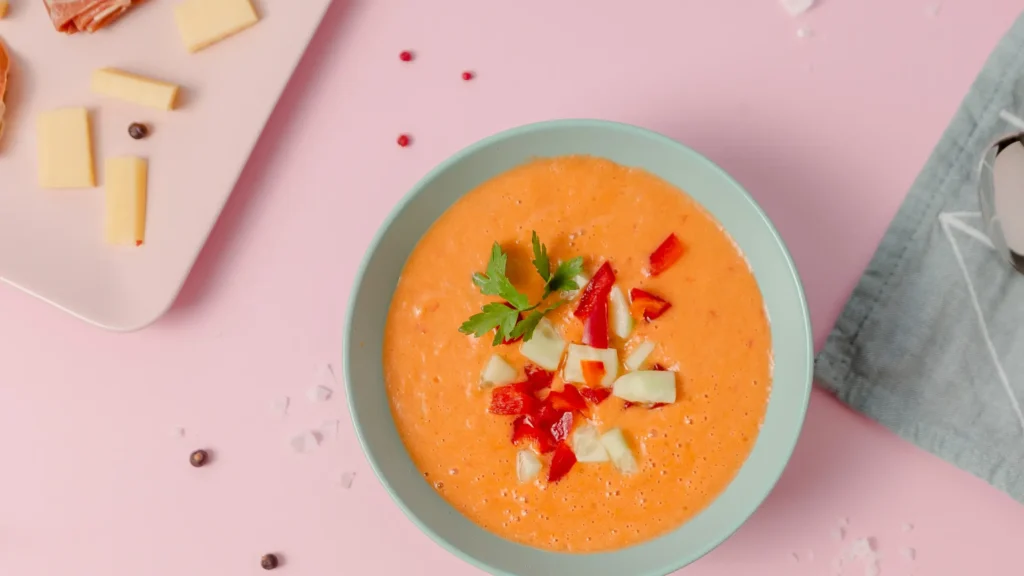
(1001, 193)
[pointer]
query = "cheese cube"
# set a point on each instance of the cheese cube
(65, 149)
(3, 9)
(125, 181)
(205, 22)
(134, 88)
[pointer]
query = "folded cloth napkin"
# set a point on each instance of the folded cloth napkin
(931, 343)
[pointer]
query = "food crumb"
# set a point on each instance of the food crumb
(346, 479)
(797, 7)
(908, 528)
(804, 32)
(908, 553)
(838, 533)
(177, 432)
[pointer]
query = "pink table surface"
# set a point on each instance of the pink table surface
(827, 133)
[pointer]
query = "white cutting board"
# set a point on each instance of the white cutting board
(51, 241)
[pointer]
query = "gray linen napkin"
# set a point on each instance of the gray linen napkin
(931, 343)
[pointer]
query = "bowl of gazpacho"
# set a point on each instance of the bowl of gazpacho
(578, 347)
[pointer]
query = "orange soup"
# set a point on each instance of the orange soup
(631, 406)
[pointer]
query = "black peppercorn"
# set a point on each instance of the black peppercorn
(138, 131)
(198, 458)
(268, 561)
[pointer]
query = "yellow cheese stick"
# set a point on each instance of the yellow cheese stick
(126, 200)
(205, 22)
(134, 88)
(65, 149)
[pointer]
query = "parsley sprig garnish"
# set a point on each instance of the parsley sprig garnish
(504, 319)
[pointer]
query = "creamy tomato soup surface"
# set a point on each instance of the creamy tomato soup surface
(628, 408)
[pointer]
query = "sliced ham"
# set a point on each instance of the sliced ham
(71, 16)
(5, 67)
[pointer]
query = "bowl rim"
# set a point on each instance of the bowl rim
(576, 123)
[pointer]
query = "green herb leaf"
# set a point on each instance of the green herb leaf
(565, 277)
(526, 326)
(540, 258)
(495, 283)
(504, 319)
(493, 315)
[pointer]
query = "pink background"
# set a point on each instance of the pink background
(827, 132)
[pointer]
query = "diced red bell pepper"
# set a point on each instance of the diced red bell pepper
(537, 377)
(658, 367)
(528, 428)
(597, 290)
(545, 442)
(560, 429)
(595, 327)
(561, 462)
(647, 305)
(524, 428)
(513, 400)
(670, 251)
(547, 415)
(567, 400)
(545, 418)
(593, 372)
(507, 341)
(596, 395)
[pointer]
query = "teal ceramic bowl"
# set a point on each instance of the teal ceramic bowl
(630, 146)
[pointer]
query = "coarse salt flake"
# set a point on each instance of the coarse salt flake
(797, 7)
(934, 9)
(907, 528)
(281, 405)
(323, 385)
(319, 394)
(329, 429)
(804, 32)
(838, 533)
(305, 442)
(908, 553)
(346, 479)
(177, 432)
(862, 548)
